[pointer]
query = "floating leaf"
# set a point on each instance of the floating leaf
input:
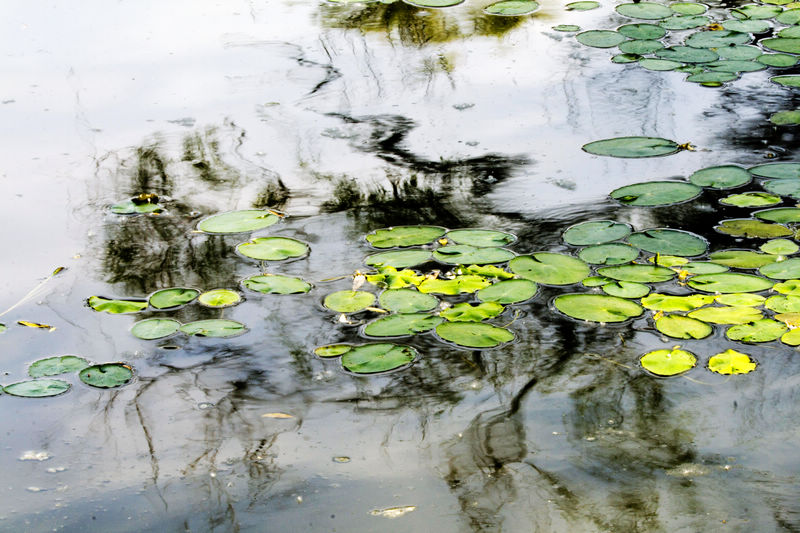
(53, 366)
(464, 254)
(401, 325)
(155, 328)
(632, 147)
(789, 188)
(584, 5)
(480, 237)
(756, 12)
(790, 16)
(172, 298)
(37, 388)
(391, 278)
(779, 247)
(457, 285)
(779, 171)
(712, 77)
(238, 221)
(644, 10)
(782, 215)
(716, 39)
(668, 362)
(595, 232)
(688, 8)
(511, 8)
(751, 199)
(349, 301)
(637, 273)
(669, 242)
(549, 268)
(508, 292)
(731, 362)
(790, 287)
(792, 320)
(642, 31)
(30, 324)
(567, 28)
(669, 303)
(488, 271)
(758, 331)
(778, 60)
(468, 312)
(703, 267)
(752, 229)
(684, 22)
(600, 38)
(332, 350)
(609, 254)
(727, 315)
(378, 357)
(625, 289)
(656, 193)
(106, 376)
(596, 281)
(667, 260)
(735, 66)
(474, 334)
(273, 248)
(404, 236)
(786, 118)
(745, 51)
(721, 177)
(640, 46)
(276, 284)
(133, 207)
(399, 258)
(787, 81)
(687, 54)
(787, 269)
(727, 282)
(741, 258)
(783, 304)
(407, 301)
(791, 337)
(740, 299)
(683, 327)
(597, 307)
(219, 298)
(106, 305)
(214, 328)
(659, 65)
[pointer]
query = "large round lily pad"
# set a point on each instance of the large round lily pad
(637, 273)
(600, 38)
(790, 188)
(511, 8)
(626, 289)
(756, 12)
(480, 237)
(219, 298)
(106, 376)
(53, 366)
(172, 298)
(404, 236)
(644, 10)
(727, 282)
(238, 221)
(407, 301)
(656, 193)
(669, 242)
(670, 303)
(731, 362)
(215, 327)
(474, 334)
(780, 171)
(609, 254)
(37, 388)
(596, 232)
(683, 327)
(668, 362)
(549, 268)
(721, 177)
(464, 254)
(378, 357)
(509, 291)
(687, 54)
(741, 258)
(765, 330)
(716, 39)
(349, 301)
(273, 248)
(401, 325)
(684, 22)
(472, 312)
(632, 147)
(781, 215)
(727, 315)
(752, 229)
(642, 31)
(597, 307)
(788, 269)
(779, 247)
(276, 284)
(155, 328)
(399, 258)
(107, 305)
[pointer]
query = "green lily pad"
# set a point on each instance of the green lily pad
(727, 315)
(669, 303)
(791, 337)
(433, 3)
(637, 273)
(399, 258)
(273, 248)
(106, 376)
(786, 118)
(597, 307)
(741, 258)
(742, 52)
(276, 284)
(404, 236)
(683, 327)
(458, 285)
(480, 237)
(155, 328)
(658, 65)
(731, 362)
(792, 32)
(716, 39)
(508, 291)
(712, 77)
(567, 28)
(644, 10)
(640, 46)
(37, 388)
(790, 17)
(487, 271)
(765, 330)
(727, 282)
(656, 193)
(752, 229)
(789, 287)
(349, 301)
(549, 268)
(787, 81)
(790, 188)
(215, 327)
(642, 31)
(667, 260)
(735, 66)
(596, 281)
(751, 199)
(721, 177)
(134, 207)
(600, 38)
(172, 298)
(779, 171)
(474, 334)
(332, 350)
(469, 312)
(626, 289)
(52, 366)
(703, 267)
(219, 298)
(787, 269)
(756, 12)
(669, 241)
(511, 8)
(684, 22)
(406, 301)
(401, 325)
(115, 307)
(688, 8)
(632, 147)
(783, 304)
(779, 247)
(781, 215)
(668, 362)
(584, 5)
(238, 221)
(609, 254)
(687, 54)
(378, 357)
(464, 254)
(596, 232)
(778, 60)
(743, 299)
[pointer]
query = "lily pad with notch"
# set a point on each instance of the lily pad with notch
(752, 229)
(116, 307)
(743, 299)
(609, 254)
(788, 269)
(597, 307)
(276, 284)
(731, 362)
(764, 330)
(658, 65)
(464, 254)
(480, 237)
(508, 291)
(549, 268)
(172, 298)
(244, 221)
(670, 303)
(626, 289)
(787, 81)
(642, 31)
(756, 12)
(783, 304)
(273, 248)
(349, 301)
(402, 236)
(703, 267)
(640, 46)
(155, 328)
(669, 242)
(751, 199)
(721, 177)
(37, 388)
(52, 366)
(600, 38)
(741, 258)
(778, 60)
(727, 282)
(788, 287)
(476, 335)
(407, 301)
(107, 376)
(376, 358)
(511, 8)
(741, 52)
(656, 193)
(219, 298)
(632, 147)
(472, 312)
(717, 39)
(637, 273)
(215, 327)
(688, 8)
(399, 258)
(683, 327)
(135, 206)
(401, 325)
(666, 362)
(596, 232)
(583, 5)
(779, 247)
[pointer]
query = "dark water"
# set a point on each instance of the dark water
(351, 118)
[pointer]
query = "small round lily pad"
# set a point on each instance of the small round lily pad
(595, 232)
(597, 307)
(238, 221)
(721, 177)
(349, 301)
(219, 298)
(172, 298)
(155, 328)
(508, 291)
(668, 362)
(273, 248)
(332, 350)
(106, 376)
(215, 327)
(549, 268)
(779, 247)
(52, 366)
(276, 284)
(480, 237)
(669, 242)
(626, 289)
(786, 118)
(407, 301)
(632, 147)
(569, 28)
(136, 207)
(400, 325)
(609, 254)
(378, 357)
(656, 193)
(37, 388)
(474, 334)
(731, 362)
(404, 236)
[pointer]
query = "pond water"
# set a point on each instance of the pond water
(348, 118)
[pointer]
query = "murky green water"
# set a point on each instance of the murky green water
(348, 119)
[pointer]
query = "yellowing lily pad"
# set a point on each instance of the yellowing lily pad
(458, 285)
(740, 299)
(765, 330)
(741, 258)
(752, 229)
(751, 199)
(731, 362)
(219, 298)
(727, 315)
(727, 282)
(107, 305)
(332, 350)
(669, 303)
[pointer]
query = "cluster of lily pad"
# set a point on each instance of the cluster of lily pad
(717, 51)
(104, 376)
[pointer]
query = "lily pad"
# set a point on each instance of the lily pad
(469, 312)
(172, 298)
(106, 376)
(332, 350)
(752, 229)
(688, 8)
(632, 147)
(741, 258)
(703, 267)
(684, 22)
(584, 5)
(789, 287)
(656, 193)
(52, 366)
(670, 304)
(399, 258)
(626, 289)
(215, 327)
(596, 232)
(731, 362)
(640, 46)
(134, 207)
(219, 298)
(458, 285)
(790, 188)
(508, 292)
(658, 65)
(391, 278)
(474, 334)
(37, 388)
(751, 199)
(740, 299)
(511, 8)
(791, 337)
(735, 66)
(783, 304)
(238, 221)
(597, 307)
(727, 282)
(716, 39)
(779, 247)
(155, 328)
(683, 327)
(596, 281)
(755, 12)
(721, 177)
(778, 60)
(378, 357)
(487, 271)
(567, 28)
(637, 273)
(644, 10)
(406, 301)
(115, 307)
(779, 171)
(742, 52)
(273, 248)
(642, 31)
(669, 241)
(687, 54)
(609, 254)
(600, 38)
(781, 215)
(786, 118)
(401, 325)
(716, 78)
(790, 16)
(549, 268)
(765, 330)
(792, 32)
(787, 81)
(480, 237)
(668, 362)
(667, 260)
(787, 269)
(276, 284)
(404, 236)
(727, 315)
(349, 301)
(464, 254)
